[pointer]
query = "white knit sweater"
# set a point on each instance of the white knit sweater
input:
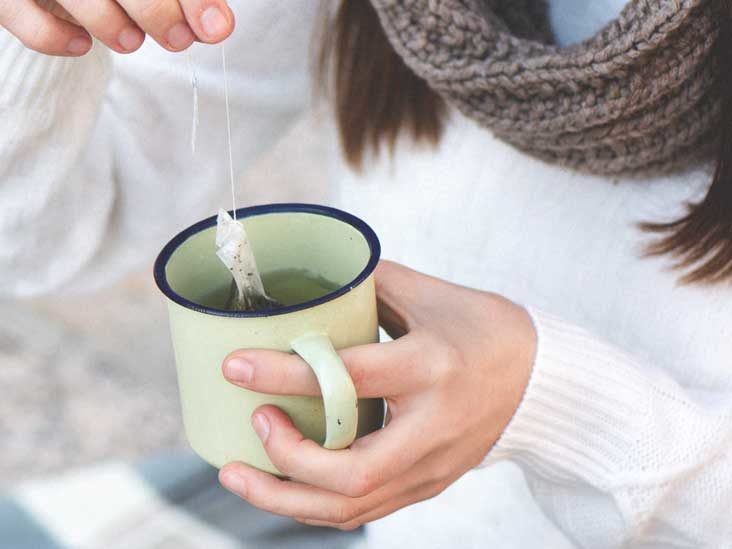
(624, 443)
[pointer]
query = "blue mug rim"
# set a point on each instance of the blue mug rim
(290, 207)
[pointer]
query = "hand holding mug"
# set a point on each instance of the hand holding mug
(65, 27)
(453, 378)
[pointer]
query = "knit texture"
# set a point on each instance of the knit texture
(638, 98)
(595, 416)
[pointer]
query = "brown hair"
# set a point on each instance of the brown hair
(377, 97)
(701, 241)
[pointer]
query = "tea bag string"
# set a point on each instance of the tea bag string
(194, 87)
(228, 130)
(233, 248)
(195, 118)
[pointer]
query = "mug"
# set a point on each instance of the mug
(326, 242)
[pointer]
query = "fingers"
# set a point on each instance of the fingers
(420, 493)
(377, 370)
(57, 10)
(118, 24)
(41, 31)
(427, 479)
(163, 20)
(370, 462)
(316, 506)
(288, 498)
(271, 372)
(108, 22)
(211, 20)
(176, 25)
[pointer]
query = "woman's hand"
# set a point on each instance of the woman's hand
(65, 27)
(453, 378)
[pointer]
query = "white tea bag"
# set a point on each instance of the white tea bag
(234, 251)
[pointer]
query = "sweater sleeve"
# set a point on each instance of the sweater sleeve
(616, 452)
(96, 167)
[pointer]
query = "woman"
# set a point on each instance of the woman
(609, 387)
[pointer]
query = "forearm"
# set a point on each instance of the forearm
(53, 203)
(615, 450)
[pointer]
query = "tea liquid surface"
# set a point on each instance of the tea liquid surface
(288, 286)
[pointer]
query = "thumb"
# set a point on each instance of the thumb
(398, 291)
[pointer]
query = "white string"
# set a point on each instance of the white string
(194, 86)
(228, 130)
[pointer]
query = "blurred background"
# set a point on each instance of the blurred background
(92, 377)
(93, 453)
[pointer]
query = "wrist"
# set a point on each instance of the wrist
(581, 406)
(513, 337)
(521, 342)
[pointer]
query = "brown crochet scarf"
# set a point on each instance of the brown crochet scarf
(637, 98)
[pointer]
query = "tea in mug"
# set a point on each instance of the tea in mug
(287, 286)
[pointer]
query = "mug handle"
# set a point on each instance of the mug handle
(339, 394)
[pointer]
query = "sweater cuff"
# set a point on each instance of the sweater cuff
(27, 77)
(581, 407)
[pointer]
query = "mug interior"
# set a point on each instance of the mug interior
(324, 241)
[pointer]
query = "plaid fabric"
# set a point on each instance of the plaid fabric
(171, 501)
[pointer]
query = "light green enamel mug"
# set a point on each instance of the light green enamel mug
(326, 242)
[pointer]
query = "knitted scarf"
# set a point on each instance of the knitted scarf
(638, 98)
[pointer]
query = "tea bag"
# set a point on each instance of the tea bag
(233, 249)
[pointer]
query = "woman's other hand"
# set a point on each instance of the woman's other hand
(65, 27)
(453, 378)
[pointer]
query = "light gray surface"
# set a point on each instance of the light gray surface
(85, 379)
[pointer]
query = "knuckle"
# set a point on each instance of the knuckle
(434, 488)
(438, 488)
(158, 12)
(287, 379)
(283, 461)
(356, 489)
(9, 12)
(442, 472)
(287, 458)
(362, 483)
(358, 376)
(148, 8)
(341, 514)
(41, 39)
(445, 358)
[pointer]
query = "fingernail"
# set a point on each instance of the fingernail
(214, 22)
(238, 369)
(261, 426)
(180, 36)
(233, 483)
(78, 45)
(130, 38)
